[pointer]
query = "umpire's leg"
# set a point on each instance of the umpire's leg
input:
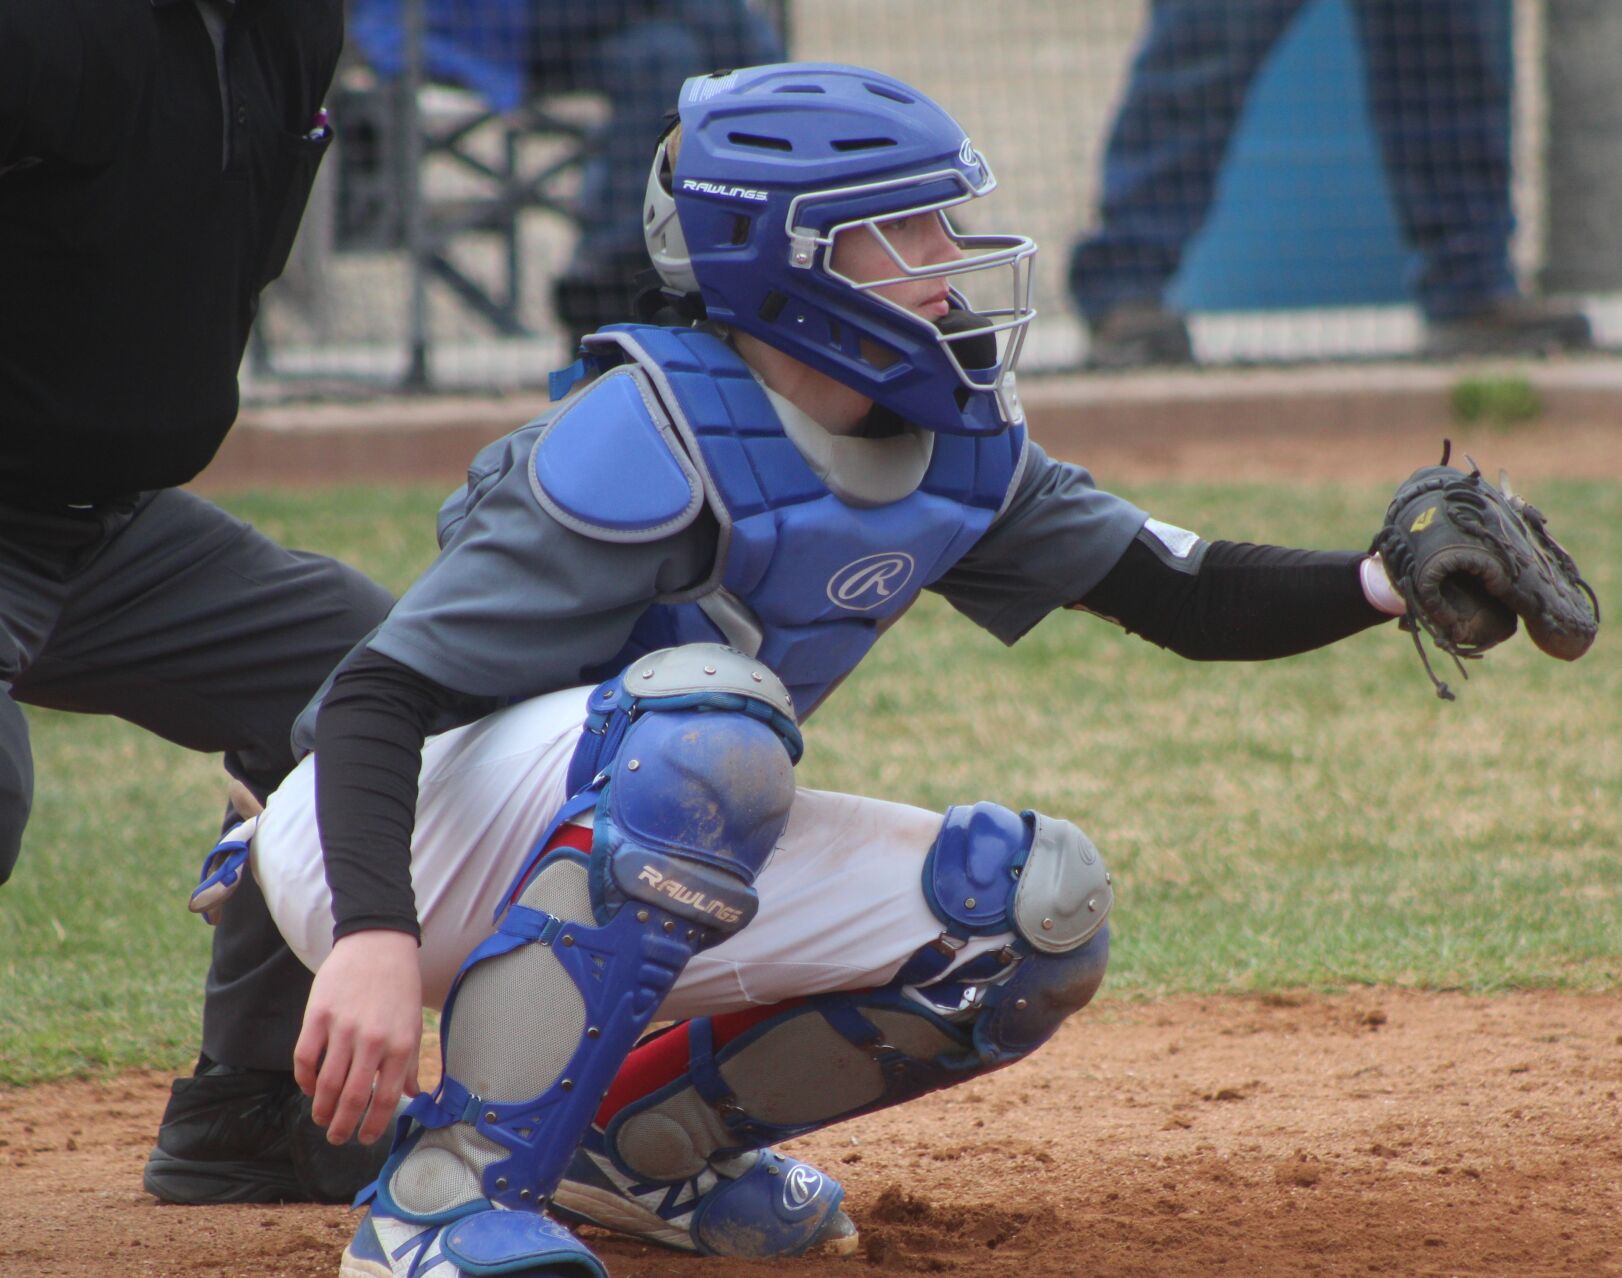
(195, 626)
(16, 781)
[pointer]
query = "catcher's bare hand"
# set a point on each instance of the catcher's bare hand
(362, 1034)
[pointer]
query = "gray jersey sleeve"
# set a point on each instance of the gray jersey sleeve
(1053, 543)
(516, 604)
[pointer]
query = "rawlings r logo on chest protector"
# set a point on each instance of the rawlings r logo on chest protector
(871, 580)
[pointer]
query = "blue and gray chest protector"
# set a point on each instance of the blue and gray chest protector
(804, 580)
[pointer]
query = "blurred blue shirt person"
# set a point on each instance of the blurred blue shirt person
(1439, 97)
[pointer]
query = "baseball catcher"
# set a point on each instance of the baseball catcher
(582, 721)
(1470, 559)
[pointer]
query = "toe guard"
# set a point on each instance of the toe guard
(779, 1207)
(519, 1243)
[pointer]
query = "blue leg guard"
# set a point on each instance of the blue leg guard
(1036, 881)
(689, 804)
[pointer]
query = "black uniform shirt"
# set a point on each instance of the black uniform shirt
(130, 259)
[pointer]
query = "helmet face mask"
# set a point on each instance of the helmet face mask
(780, 170)
(987, 286)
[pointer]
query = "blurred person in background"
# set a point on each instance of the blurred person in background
(155, 159)
(1440, 99)
(635, 52)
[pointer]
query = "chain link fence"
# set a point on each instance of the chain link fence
(1288, 180)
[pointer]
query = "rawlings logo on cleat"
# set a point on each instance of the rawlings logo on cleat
(801, 1187)
(720, 911)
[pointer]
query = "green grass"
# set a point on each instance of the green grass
(1502, 401)
(1319, 822)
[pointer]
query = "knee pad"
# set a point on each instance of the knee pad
(690, 752)
(692, 807)
(992, 871)
(704, 676)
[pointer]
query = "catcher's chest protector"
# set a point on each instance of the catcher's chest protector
(803, 581)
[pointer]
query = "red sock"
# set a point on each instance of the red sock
(567, 835)
(661, 1060)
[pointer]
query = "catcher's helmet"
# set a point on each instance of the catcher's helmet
(776, 161)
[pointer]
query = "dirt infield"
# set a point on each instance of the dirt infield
(1382, 1132)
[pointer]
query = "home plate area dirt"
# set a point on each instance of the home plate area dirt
(1377, 1132)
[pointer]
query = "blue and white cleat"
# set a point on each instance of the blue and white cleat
(481, 1240)
(757, 1205)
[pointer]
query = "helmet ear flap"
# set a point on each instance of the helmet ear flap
(665, 151)
(661, 227)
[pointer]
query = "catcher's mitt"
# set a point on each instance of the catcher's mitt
(1469, 559)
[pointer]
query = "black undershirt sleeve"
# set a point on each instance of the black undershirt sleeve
(1245, 602)
(368, 744)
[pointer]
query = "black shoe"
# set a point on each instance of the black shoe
(1510, 326)
(246, 1136)
(1139, 335)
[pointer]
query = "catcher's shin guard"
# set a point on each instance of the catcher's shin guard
(689, 804)
(718, 1086)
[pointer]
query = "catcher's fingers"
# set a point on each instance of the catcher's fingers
(336, 1063)
(362, 1032)
(397, 1078)
(353, 1083)
(309, 1051)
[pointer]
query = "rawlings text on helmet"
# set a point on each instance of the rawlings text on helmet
(721, 188)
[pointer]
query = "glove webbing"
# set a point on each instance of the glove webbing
(1544, 544)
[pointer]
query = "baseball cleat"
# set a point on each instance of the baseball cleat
(246, 1136)
(756, 1205)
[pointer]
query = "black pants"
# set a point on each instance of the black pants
(169, 613)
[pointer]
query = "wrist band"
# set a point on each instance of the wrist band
(1377, 587)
